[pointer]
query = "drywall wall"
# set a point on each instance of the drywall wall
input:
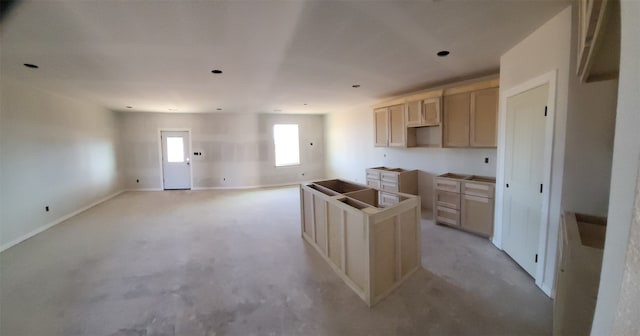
(618, 296)
(545, 50)
(350, 144)
(54, 151)
(589, 145)
(589, 139)
(237, 149)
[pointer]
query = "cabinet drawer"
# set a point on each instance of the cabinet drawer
(373, 183)
(447, 185)
(478, 189)
(373, 174)
(448, 199)
(387, 199)
(389, 186)
(389, 177)
(447, 216)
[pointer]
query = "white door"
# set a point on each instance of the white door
(523, 175)
(176, 165)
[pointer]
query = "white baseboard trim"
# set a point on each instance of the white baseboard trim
(547, 289)
(144, 189)
(57, 221)
(248, 187)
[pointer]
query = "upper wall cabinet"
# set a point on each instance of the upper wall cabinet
(470, 116)
(483, 118)
(381, 127)
(390, 126)
(455, 132)
(397, 126)
(457, 116)
(422, 113)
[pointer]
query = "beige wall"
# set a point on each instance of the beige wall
(54, 151)
(236, 147)
(619, 295)
(350, 142)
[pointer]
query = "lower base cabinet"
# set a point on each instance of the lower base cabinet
(465, 202)
(579, 264)
(372, 248)
(477, 215)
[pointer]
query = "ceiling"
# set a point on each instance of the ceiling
(275, 55)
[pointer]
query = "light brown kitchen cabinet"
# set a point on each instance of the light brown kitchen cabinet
(470, 116)
(455, 132)
(477, 215)
(483, 121)
(457, 116)
(390, 127)
(465, 202)
(392, 180)
(397, 127)
(381, 116)
(422, 113)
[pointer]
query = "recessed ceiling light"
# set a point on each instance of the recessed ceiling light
(129, 106)
(443, 53)
(216, 71)
(173, 109)
(219, 109)
(355, 86)
(32, 66)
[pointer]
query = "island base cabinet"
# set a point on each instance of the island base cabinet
(372, 249)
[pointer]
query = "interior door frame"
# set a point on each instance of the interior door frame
(161, 154)
(549, 78)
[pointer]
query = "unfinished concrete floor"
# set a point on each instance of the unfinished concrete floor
(233, 263)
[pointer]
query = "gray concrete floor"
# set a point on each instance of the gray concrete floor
(233, 263)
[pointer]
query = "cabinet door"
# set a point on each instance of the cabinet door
(456, 120)
(477, 215)
(397, 126)
(484, 118)
(431, 112)
(414, 113)
(381, 117)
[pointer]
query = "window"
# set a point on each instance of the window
(175, 149)
(285, 138)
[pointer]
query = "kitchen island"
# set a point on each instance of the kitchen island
(373, 247)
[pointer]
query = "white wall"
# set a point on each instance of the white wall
(54, 151)
(235, 147)
(590, 131)
(619, 295)
(547, 49)
(350, 144)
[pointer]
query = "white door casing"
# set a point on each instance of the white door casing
(176, 161)
(523, 176)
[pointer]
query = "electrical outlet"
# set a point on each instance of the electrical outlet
(301, 174)
(137, 180)
(46, 208)
(486, 160)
